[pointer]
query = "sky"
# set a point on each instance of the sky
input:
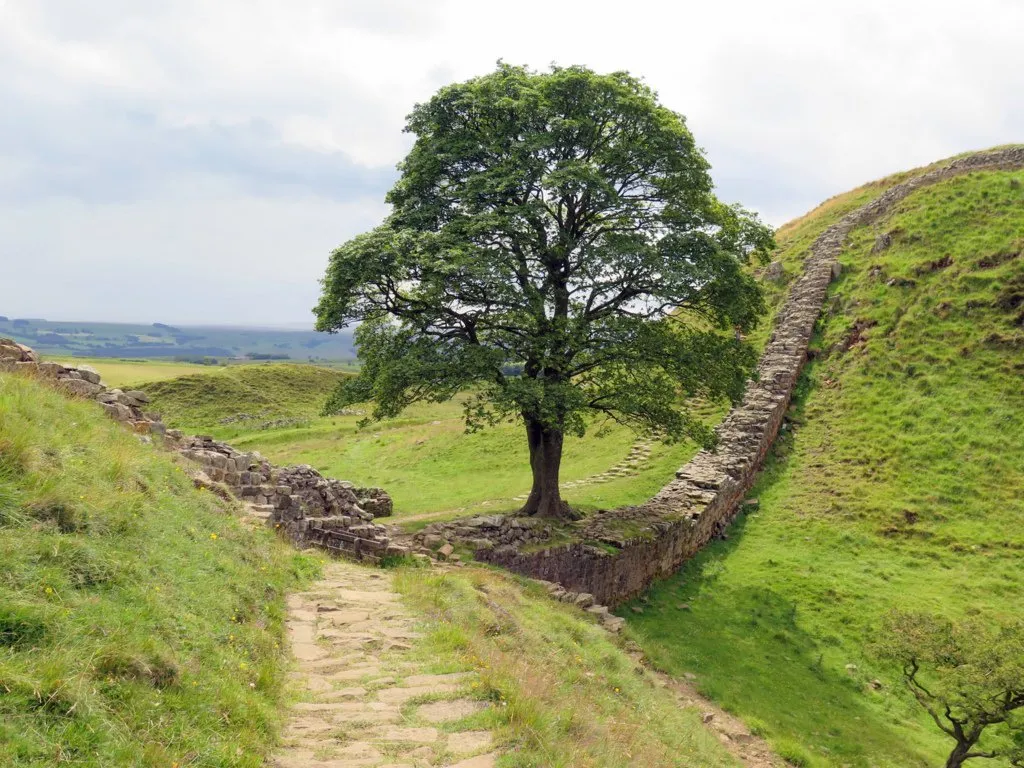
(190, 162)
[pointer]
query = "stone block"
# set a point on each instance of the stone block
(140, 398)
(51, 370)
(88, 373)
(11, 350)
(80, 387)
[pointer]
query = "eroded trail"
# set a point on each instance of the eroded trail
(362, 701)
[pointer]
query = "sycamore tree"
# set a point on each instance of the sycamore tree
(554, 250)
(969, 677)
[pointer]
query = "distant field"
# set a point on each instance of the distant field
(120, 373)
(139, 340)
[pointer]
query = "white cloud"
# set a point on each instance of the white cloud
(166, 137)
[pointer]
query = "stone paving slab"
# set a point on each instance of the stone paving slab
(359, 702)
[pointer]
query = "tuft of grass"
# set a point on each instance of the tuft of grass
(563, 694)
(141, 623)
(902, 484)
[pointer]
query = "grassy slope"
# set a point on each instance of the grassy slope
(566, 696)
(140, 622)
(264, 392)
(902, 485)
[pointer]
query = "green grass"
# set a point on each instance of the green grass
(564, 694)
(431, 466)
(901, 486)
(128, 373)
(237, 398)
(424, 458)
(141, 623)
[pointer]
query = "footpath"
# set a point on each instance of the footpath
(361, 701)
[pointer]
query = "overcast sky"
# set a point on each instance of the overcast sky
(195, 161)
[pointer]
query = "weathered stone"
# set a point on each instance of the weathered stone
(117, 411)
(80, 387)
(88, 373)
(775, 272)
(51, 370)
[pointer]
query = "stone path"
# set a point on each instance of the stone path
(362, 702)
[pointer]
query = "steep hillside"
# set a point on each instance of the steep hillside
(140, 622)
(901, 484)
(242, 397)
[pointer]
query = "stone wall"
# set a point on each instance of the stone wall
(300, 502)
(615, 554)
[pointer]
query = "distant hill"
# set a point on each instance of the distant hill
(89, 339)
(243, 395)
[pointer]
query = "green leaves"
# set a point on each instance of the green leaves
(562, 224)
(967, 675)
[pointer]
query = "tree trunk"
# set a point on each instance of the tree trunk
(960, 754)
(545, 460)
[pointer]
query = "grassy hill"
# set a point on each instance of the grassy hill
(902, 484)
(241, 397)
(141, 623)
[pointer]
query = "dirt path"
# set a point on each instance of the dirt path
(752, 751)
(362, 702)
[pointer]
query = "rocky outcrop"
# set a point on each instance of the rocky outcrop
(300, 502)
(84, 381)
(614, 555)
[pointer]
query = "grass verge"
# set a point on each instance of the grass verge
(141, 623)
(564, 694)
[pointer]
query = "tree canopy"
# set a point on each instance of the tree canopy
(555, 248)
(968, 677)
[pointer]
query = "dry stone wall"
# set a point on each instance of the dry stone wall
(300, 502)
(615, 554)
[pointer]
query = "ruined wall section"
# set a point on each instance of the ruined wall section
(300, 502)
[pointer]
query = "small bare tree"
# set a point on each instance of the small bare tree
(968, 676)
